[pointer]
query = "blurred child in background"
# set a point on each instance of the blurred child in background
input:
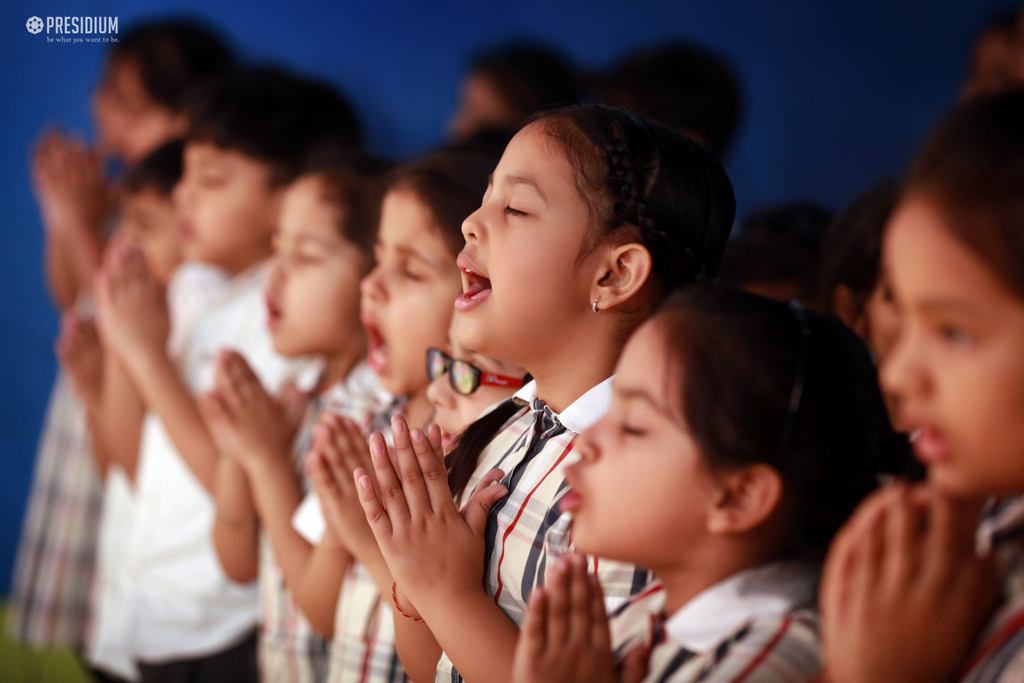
(136, 107)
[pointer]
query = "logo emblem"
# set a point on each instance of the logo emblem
(34, 25)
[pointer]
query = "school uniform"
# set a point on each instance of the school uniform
(182, 614)
(56, 553)
(110, 646)
(757, 626)
(363, 648)
(999, 655)
(290, 650)
(526, 532)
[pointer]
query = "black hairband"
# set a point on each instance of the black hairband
(797, 393)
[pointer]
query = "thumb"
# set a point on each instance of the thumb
(479, 506)
(633, 667)
(293, 403)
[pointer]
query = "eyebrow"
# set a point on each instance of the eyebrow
(514, 180)
(408, 251)
(640, 394)
(949, 305)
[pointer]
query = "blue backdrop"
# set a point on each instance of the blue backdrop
(838, 95)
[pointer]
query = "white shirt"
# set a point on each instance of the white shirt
(756, 625)
(772, 590)
(179, 603)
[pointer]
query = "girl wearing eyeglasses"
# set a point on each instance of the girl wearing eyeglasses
(465, 384)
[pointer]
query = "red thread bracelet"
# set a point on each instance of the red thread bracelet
(394, 599)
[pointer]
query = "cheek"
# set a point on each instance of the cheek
(419, 318)
(987, 429)
(636, 513)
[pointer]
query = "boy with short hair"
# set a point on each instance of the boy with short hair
(249, 133)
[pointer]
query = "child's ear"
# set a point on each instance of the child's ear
(846, 308)
(624, 271)
(746, 498)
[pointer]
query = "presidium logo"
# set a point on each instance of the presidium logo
(97, 29)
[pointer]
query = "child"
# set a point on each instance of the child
(144, 82)
(249, 132)
(775, 253)
(904, 593)
(506, 85)
(141, 101)
(406, 309)
(322, 249)
(463, 386)
(684, 86)
(742, 433)
(592, 216)
(114, 409)
(849, 279)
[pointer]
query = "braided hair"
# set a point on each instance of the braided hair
(644, 181)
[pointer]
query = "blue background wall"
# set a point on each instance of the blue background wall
(839, 94)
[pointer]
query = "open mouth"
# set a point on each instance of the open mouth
(377, 355)
(476, 286)
(274, 312)
(930, 445)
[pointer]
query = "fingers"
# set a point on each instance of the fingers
(600, 633)
(533, 635)
(409, 468)
(579, 602)
(633, 667)
(478, 509)
(240, 377)
(391, 490)
(293, 402)
(377, 517)
(211, 407)
(948, 546)
(558, 603)
(901, 561)
(435, 475)
(336, 449)
(325, 485)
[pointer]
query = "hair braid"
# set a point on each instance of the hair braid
(630, 207)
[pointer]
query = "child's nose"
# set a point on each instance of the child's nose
(901, 373)
(472, 227)
(371, 287)
(440, 394)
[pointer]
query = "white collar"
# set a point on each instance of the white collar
(771, 590)
(582, 413)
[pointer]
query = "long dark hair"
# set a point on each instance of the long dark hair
(641, 181)
(767, 382)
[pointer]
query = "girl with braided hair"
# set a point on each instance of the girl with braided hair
(591, 218)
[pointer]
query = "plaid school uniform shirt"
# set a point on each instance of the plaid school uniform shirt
(363, 648)
(999, 655)
(50, 604)
(290, 650)
(526, 532)
(757, 626)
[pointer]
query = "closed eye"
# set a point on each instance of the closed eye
(509, 211)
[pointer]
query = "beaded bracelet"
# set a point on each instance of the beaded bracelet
(394, 599)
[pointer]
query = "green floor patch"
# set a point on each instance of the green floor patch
(26, 665)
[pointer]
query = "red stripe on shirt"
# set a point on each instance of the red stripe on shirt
(519, 514)
(764, 653)
(997, 641)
